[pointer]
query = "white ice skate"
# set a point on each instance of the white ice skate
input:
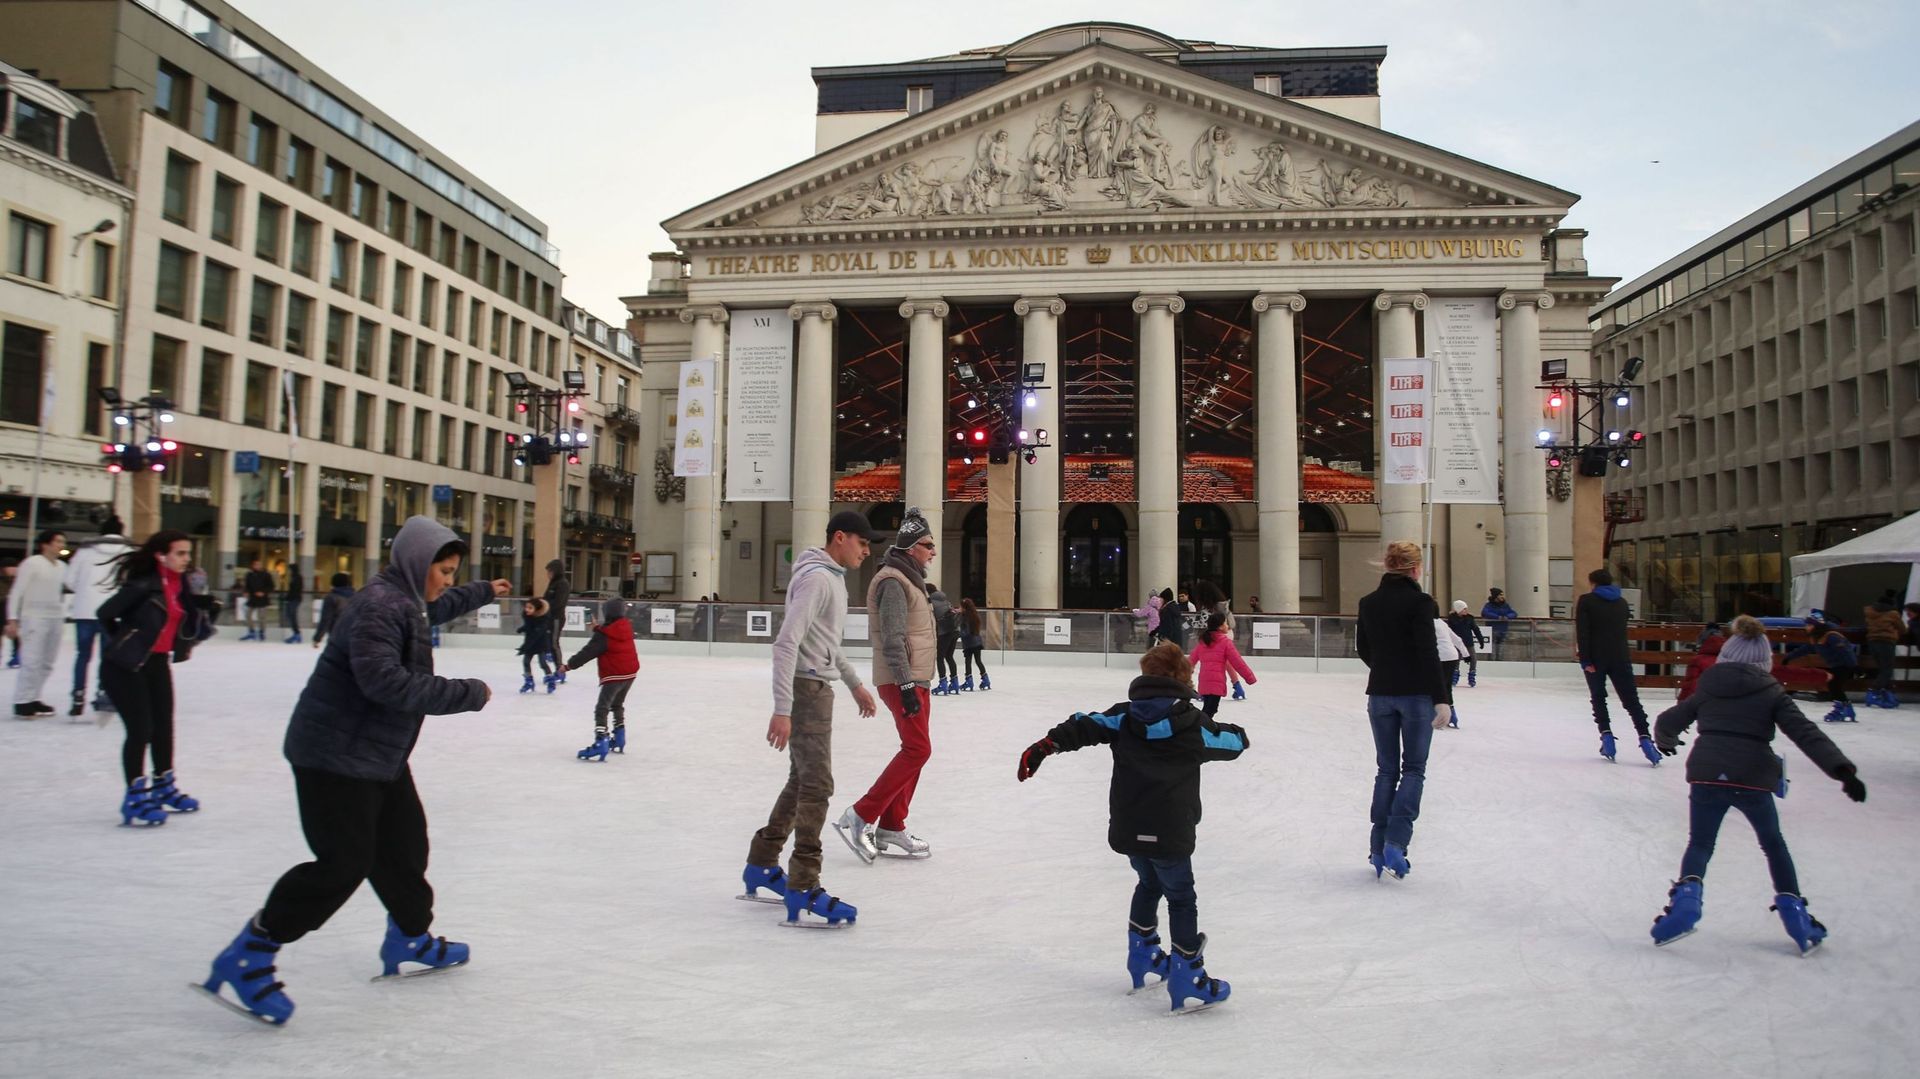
(902, 844)
(858, 834)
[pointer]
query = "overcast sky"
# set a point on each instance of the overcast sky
(605, 117)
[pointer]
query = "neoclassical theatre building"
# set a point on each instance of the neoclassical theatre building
(1110, 308)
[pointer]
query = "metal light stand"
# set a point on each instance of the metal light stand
(1589, 398)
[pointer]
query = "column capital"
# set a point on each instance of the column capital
(693, 312)
(1148, 301)
(1027, 305)
(1513, 298)
(924, 306)
(1276, 301)
(1387, 301)
(825, 312)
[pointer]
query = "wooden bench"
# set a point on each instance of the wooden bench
(1668, 646)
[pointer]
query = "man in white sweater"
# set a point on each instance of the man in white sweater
(35, 613)
(91, 570)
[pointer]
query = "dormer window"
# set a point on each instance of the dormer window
(37, 126)
(919, 99)
(1267, 84)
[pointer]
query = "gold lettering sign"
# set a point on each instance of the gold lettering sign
(875, 261)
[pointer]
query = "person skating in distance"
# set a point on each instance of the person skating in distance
(352, 731)
(1600, 634)
(1159, 741)
(1739, 706)
(807, 660)
(612, 646)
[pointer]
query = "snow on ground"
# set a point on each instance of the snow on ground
(598, 899)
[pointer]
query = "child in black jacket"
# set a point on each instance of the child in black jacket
(536, 642)
(1159, 741)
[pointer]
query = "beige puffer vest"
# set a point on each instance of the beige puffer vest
(920, 632)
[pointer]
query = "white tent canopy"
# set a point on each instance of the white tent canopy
(1896, 544)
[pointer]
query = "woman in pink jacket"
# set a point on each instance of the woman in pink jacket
(1212, 655)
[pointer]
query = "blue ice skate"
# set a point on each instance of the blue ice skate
(1187, 980)
(1453, 720)
(967, 686)
(618, 743)
(1684, 904)
(1394, 860)
(1239, 692)
(527, 686)
(1842, 713)
(139, 806)
(1650, 751)
(1456, 677)
(295, 639)
(1473, 677)
(434, 954)
(167, 794)
(828, 911)
(985, 682)
(769, 877)
(1144, 957)
(247, 966)
(598, 750)
(1606, 745)
(1378, 863)
(553, 682)
(1807, 933)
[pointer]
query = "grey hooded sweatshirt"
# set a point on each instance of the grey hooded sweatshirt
(809, 641)
(374, 685)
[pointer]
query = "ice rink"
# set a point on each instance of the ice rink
(598, 898)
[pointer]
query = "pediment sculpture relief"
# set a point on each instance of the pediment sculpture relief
(1098, 151)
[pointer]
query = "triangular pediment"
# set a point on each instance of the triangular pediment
(1103, 132)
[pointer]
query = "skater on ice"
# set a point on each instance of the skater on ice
(1600, 640)
(1738, 709)
(1159, 741)
(1215, 658)
(1214, 601)
(558, 589)
(1451, 650)
(36, 609)
(1841, 658)
(151, 622)
(1498, 613)
(536, 643)
(259, 589)
(1884, 630)
(946, 628)
(611, 645)
(1394, 637)
(807, 660)
(901, 626)
(90, 577)
(354, 727)
(1460, 621)
(331, 606)
(973, 645)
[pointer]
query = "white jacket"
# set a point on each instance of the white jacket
(38, 588)
(89, 577)
(1448, 642)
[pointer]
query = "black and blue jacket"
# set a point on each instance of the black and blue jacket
(1159, 742)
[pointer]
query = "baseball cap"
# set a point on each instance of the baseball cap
(855, 522)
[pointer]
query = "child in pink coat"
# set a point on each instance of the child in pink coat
(1212, 655)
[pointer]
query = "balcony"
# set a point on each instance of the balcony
(609, 476)
(598, 522)
(621, 414)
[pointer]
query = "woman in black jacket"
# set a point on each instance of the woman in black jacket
(150, 623)
(1739, 706)
(1395, 640)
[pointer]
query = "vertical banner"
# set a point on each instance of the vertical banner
(693, 450)
(1406, 404)
(1466, 400)
(760, 406)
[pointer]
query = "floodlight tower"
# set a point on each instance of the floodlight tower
(551, 438)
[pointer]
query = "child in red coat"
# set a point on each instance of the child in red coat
(612, 645)
(1213, 654)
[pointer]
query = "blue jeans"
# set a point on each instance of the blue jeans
(1621, 675)
(1173, 878)
(1708, 805)
(84, 632)
(1402, 732)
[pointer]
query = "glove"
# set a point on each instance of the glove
(1855, 789)
(1668, 748)
(1037, 752)
(910, 702)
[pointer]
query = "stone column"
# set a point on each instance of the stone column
(1157, 450)
(1277, 465)
(1040, 481)
(813, 426)
(1525, 467)
(1400, 517)
(309, 543)
(227, 524)
(517, 515)
(376, 508)
(924, 477)
(700, 521)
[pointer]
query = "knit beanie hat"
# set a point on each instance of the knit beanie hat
(913, 528)
(1747, 644)
(1459, 605)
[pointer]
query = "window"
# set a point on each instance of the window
(171, 91)
(467, 456)
(473, 383)
(266, 305)
(397, 347)
(1267, 84)
(365, 202)
(296, 408)
(470, 258)
(97, 354)
(334, 182)
(497, 341)
(330, 412)
(419, 434)
(176, 200)
(216, 296)
(226, 219)
(259, 403)
(366, 338)
(263, 143)
(170, 291)
(216, 123)
(102, 271)
(390, 443)
(422, 232)
(423, 366)
(449, 240)
(427, 298)
(362, 420)
(369, 275)
(395, 222)
(27, 241)
(299, 323)
(304, 230)
(919, 99)
(402, 288)
(490, 271)
(340, 271)
(163, 376)
(452, 327)
(476, 314)
(267, 225)
(299, 165)
(446, 441)
(22, 354)
(336, 337)
(449, 366)
(36, 126)
(213, 383)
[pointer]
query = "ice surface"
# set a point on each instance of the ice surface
(599, 898)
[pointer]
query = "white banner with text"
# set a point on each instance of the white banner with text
(760, 406)
(1466, 399)
(1406, 405)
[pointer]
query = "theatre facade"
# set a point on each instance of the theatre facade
(1167, 295)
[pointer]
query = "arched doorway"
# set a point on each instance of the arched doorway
(973, 557)
(1093, 558)
(1206, 546)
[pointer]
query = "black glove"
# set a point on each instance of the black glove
(1037, 752)
(1855, 789)
(1670, 748)
(910, 701)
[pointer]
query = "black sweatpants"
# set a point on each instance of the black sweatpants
(972, 656)
(613, 698)
(359, 829)
(943, 656)
(526, 663)
(144, 699)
